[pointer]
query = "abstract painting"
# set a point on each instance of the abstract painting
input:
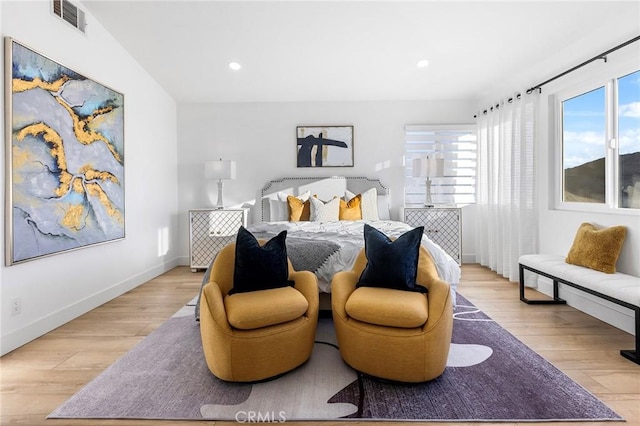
(65, 158)
(325, 146)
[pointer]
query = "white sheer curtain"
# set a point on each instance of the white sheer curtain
(507, 225)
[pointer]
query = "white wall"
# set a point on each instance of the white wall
(56, 289)
(261, 138)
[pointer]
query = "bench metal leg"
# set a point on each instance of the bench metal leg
(629, 354)
(556, 298)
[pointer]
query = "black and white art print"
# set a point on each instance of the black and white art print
(325, 146)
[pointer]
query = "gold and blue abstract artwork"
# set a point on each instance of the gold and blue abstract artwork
(65, 173)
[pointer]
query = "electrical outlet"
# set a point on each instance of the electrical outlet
(16, 306)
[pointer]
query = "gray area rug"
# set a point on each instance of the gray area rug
(491, 376)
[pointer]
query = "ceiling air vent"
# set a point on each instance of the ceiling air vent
(70, 13)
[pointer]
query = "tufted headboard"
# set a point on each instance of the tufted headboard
(324, 187)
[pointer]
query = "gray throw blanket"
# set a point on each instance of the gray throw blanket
(306, 254)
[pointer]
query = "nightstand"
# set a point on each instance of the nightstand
(443, 225)
(209, 231)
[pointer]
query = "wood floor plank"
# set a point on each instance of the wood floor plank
(620, 382)
(38, 377)
(50, 343)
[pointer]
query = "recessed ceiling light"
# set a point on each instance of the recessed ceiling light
(235, 66)
(423, 63)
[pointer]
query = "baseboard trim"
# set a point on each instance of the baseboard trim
(469, 258)
(54, 320)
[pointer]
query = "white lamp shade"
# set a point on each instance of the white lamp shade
(428, 167)
(436, 167)
(220, 169)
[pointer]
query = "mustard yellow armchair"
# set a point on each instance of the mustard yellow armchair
(256, 335)
(393, 334)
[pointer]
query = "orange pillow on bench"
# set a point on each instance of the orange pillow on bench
(597, 248)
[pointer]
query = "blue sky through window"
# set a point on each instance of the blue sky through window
(584, 122)
(583, 128)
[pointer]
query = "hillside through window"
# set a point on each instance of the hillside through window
(601, 144)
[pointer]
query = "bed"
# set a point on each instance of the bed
(327, 247)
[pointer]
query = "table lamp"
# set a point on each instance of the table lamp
(221, 170)
(428, 167)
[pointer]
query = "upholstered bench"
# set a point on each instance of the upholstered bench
(618, 288)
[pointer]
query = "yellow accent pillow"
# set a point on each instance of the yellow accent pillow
(351, 210)
(597, 248)
(298, 210)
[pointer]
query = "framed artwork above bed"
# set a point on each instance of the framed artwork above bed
(324, 146)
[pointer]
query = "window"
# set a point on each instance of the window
(456, 145)
(583, 142)
(628, 109)
(600, 134)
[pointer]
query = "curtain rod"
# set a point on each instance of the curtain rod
(602, 56)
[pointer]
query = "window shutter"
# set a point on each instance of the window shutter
(457, 145)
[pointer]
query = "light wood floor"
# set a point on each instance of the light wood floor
(41, 375)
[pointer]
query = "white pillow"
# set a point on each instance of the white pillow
(368, 203)
(325, 212)
(279, 209)
(383, 207)
(282, 196)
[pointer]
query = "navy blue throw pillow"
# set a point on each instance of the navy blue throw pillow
(260, 267)
(391, 264)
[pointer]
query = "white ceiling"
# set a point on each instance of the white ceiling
(355, 50)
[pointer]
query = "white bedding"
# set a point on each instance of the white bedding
(350, 236)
